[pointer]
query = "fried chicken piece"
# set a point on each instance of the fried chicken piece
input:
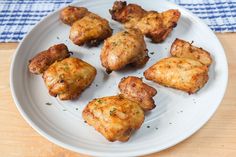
(123, 48)
(154, 25)
(122, 12)
(68, 78)
(115, 117)
(184, 49)
(180, 73)
(134, 89)
(91, 30)
(70, 14)
(39, 63)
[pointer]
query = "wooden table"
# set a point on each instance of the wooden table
(216, 138)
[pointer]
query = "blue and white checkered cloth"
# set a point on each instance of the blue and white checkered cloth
(17, 17)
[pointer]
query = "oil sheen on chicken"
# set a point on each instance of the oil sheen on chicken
(123, 48)
(180, 73)
(70, 14)
(135, 89)
(184, 49)
(115, 117)
(90, 30)
(39, 63)
(68, 78)
(154, 25)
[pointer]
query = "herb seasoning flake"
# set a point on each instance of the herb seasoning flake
(48, 103)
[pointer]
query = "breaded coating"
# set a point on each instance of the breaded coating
(134, 89)
(154, 25)
(70, 14)
(184, 49)
(68, 78)
(123, 48)
(115, 117)
(39, 63)
(90, 30)
(180, 73)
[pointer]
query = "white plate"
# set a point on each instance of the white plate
(176, 117)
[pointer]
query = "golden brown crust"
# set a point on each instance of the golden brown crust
(184, 49)
(68, 78)
(154, 25)
(180, 73)
(91, 30)
(134, 89)
(115, 117)
(39, 63)
(122, 12)
(70, 14)
(124, 48)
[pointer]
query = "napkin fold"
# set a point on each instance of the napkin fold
(17, 17)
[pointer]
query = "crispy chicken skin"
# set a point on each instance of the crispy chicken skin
(90, 30)
(70, 14)
(123, 48)
(134, 89)
(68, 78)
(154, 25)
(122, 12)
(39, 63)
(180, 73)
(115, 117)
(184, 49)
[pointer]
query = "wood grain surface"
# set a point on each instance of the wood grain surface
(216, 139)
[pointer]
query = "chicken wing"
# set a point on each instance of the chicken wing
(68, 78)
(184, 49)
(115, 117)
(70, 14)
(91, 30)
(44, 59)
(134, 89)
(123, 48)
(154, 25)
(180, 73)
